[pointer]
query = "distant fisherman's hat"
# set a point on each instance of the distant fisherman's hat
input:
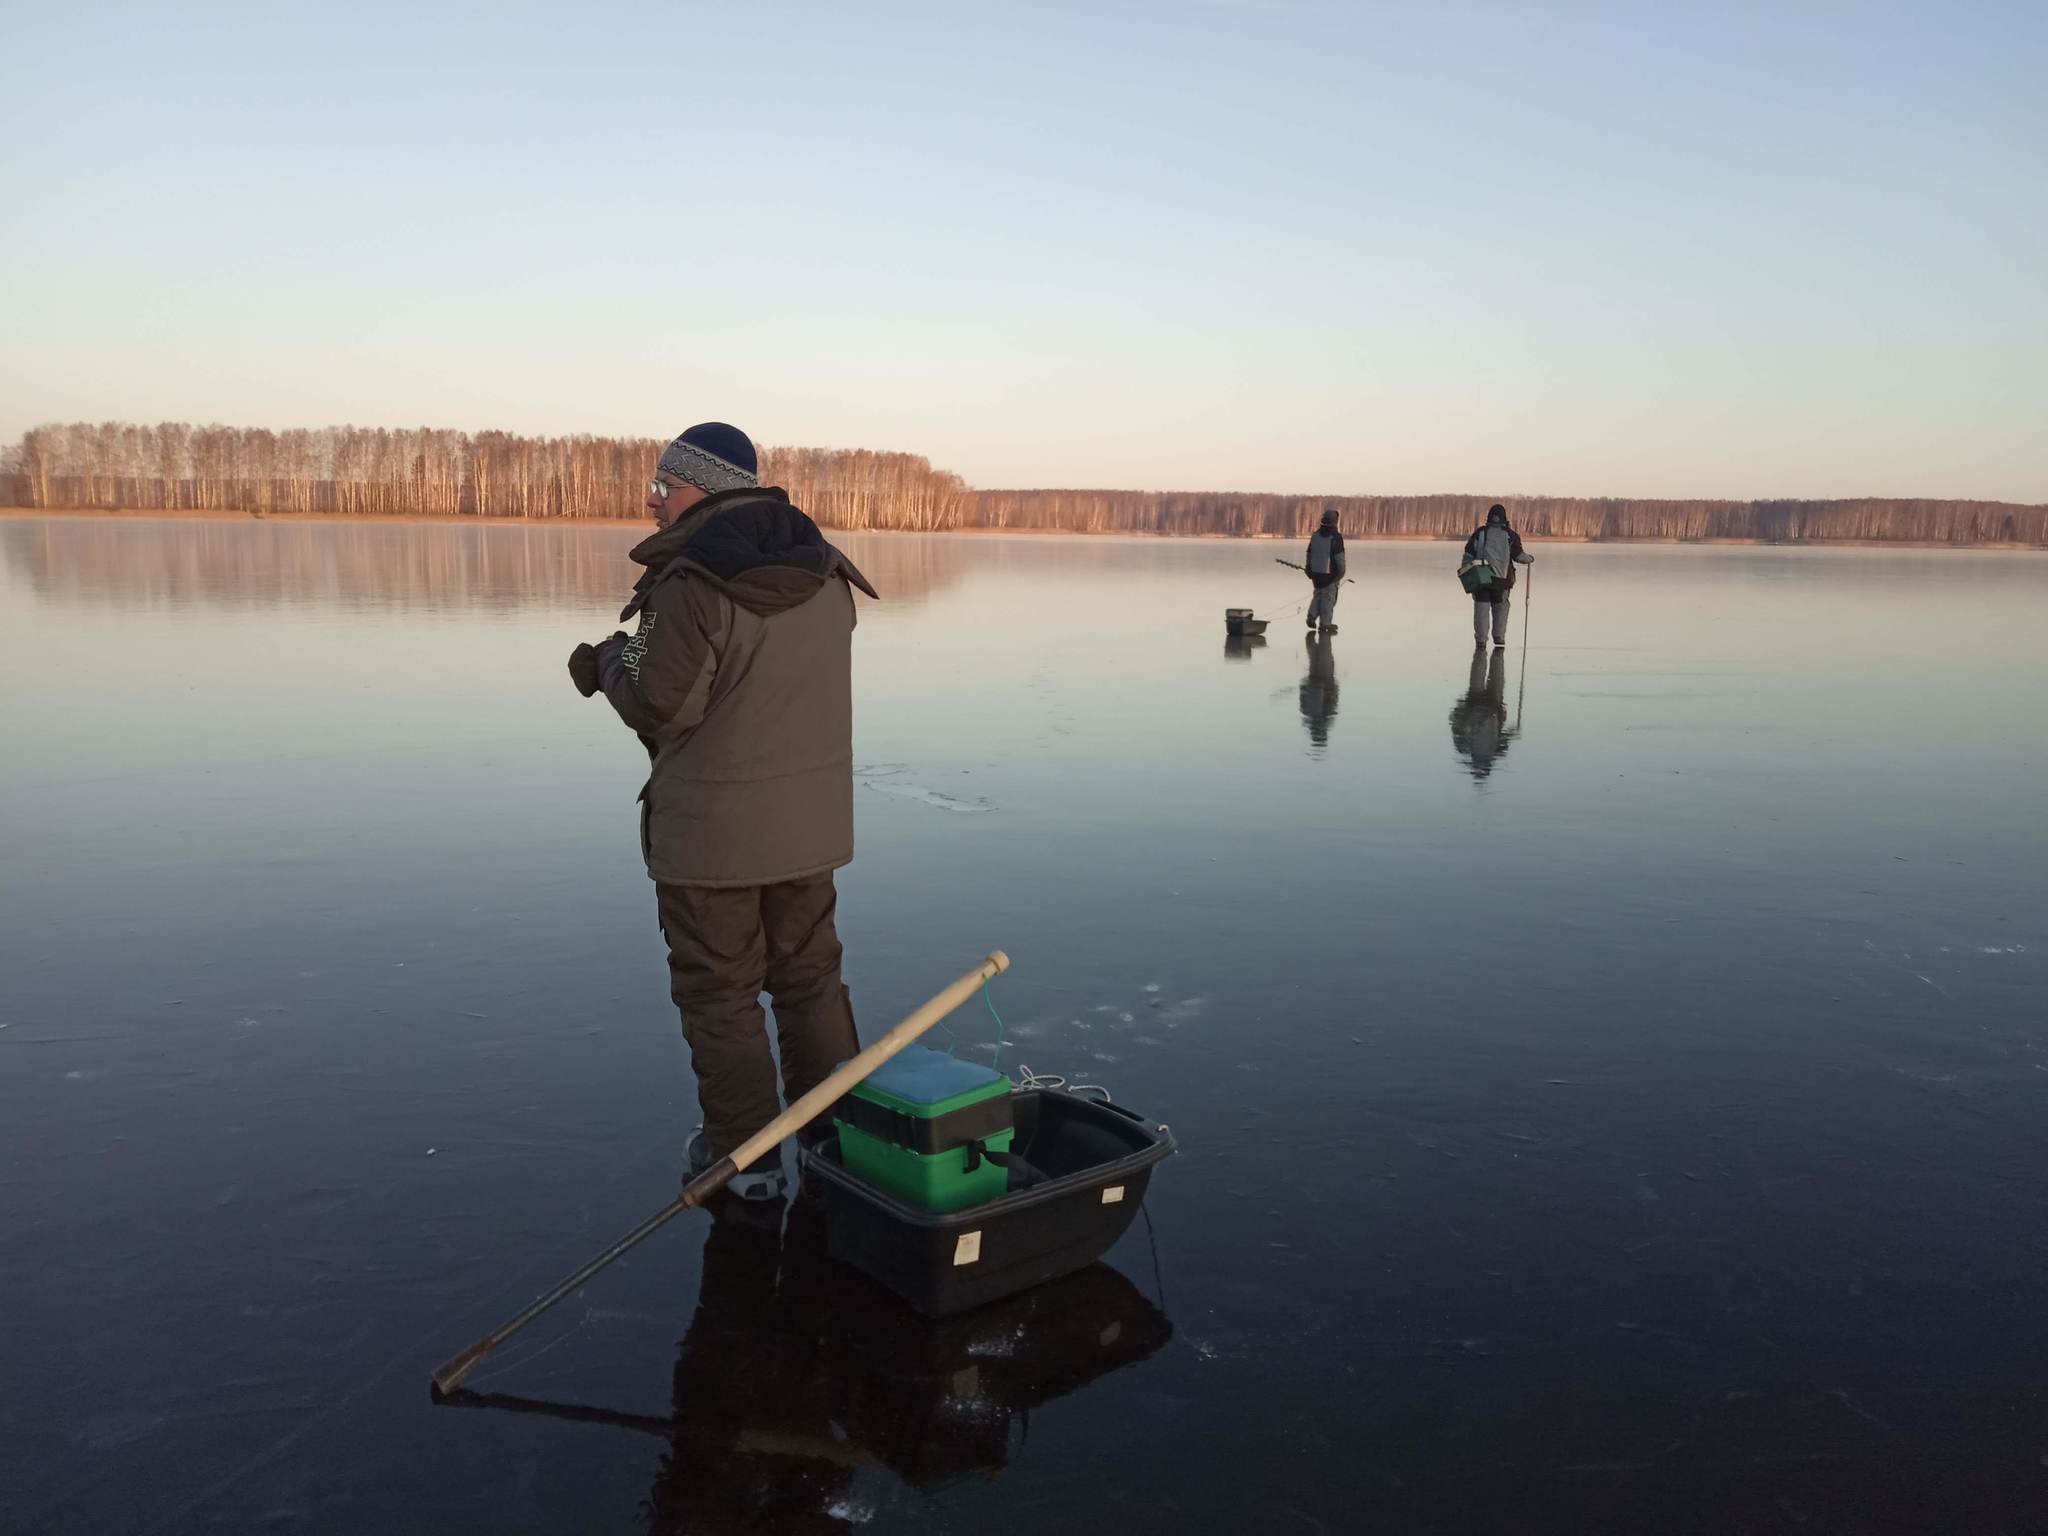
(713, 457)
(1329, 514)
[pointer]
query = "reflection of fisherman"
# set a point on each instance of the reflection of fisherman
(749, 1391)
(1319, 688)
(1326, 571)
(1500, 547)
(1480, 732)
(790, 1379)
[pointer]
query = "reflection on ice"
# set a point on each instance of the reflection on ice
(1480, 733)
(1319, 691)
(796, 1375)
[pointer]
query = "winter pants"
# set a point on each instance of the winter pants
(725, 948)
(1498, 610)
(1322, 608)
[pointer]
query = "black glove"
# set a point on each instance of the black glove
(583, 669)
(587, 663)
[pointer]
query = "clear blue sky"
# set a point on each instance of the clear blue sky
(1730, 250)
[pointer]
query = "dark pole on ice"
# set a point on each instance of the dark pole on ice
(1348, 581)
(1528, 601)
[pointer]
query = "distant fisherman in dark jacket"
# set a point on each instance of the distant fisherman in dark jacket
(739, 681)
(1325, 571)
(1495, 544)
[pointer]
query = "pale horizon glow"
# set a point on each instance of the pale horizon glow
(1580, 250)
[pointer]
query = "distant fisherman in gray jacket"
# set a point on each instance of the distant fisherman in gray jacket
(1499, 546)
(1326, 570)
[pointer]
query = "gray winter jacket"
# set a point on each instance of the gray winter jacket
(1325, 562)
(739, 681)
(1500, 547)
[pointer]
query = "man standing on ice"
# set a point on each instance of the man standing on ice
(739, 682)
(1326, 572)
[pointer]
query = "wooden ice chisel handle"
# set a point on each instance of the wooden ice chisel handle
(720, 1173)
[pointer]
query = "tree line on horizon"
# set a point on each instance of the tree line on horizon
(1592, 518)
(379, 471)
(174, 467)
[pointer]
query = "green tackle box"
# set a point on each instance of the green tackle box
(920, 1128)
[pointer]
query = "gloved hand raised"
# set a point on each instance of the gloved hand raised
(586, 663)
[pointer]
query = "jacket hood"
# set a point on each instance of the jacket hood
(763, 553)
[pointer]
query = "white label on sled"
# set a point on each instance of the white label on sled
(1113, 1195)
(967, 1250)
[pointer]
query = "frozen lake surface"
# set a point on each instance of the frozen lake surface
(1612, 1077)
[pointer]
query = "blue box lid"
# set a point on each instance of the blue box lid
(919, 1075)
